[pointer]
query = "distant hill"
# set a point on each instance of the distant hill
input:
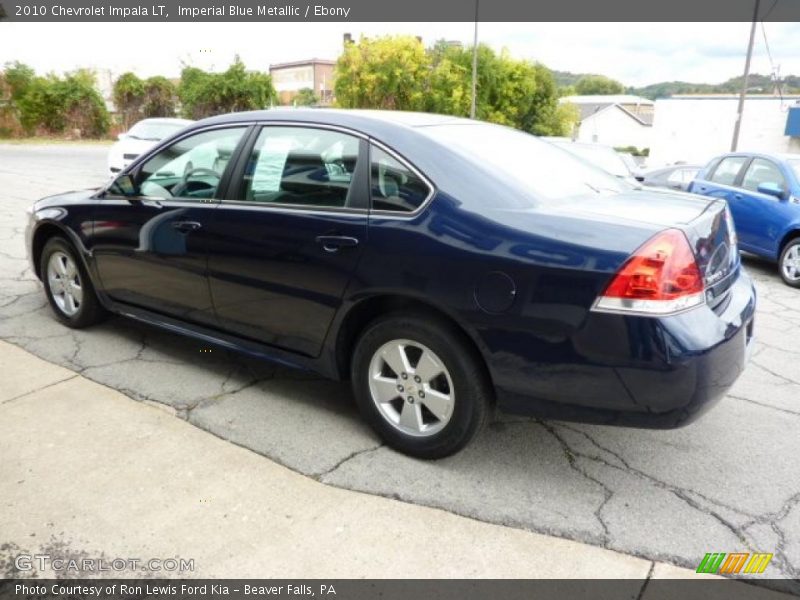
(756, 83)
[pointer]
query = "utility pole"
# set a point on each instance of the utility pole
(474, 64)
(737, 125)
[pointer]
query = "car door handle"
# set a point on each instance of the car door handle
(737, 196)
(332, 243)
(186, 226)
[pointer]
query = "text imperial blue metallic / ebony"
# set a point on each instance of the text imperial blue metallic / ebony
(442, 265)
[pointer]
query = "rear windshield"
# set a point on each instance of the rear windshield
(548, 171)
(600, 156)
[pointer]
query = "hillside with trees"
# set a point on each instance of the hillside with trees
(757, 83)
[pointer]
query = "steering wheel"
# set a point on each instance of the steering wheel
(200, 171)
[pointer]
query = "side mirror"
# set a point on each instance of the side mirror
(122, 136)
(124, 186)
(771, 189)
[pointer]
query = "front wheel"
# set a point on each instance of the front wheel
(420, 385)
(67, 285)
(789, 263)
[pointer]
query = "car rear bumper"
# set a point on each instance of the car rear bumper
(640, 371)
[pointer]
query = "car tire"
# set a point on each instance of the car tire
(789, 263)
(443, 396)
(67, 285)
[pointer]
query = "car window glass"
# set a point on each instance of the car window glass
(394, 186)
(762, 171)
(728, 169)
(676, 176)
(537, 170)
(795, 165)
(300, 165)
(192, 168)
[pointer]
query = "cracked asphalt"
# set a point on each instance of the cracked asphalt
(730, 482)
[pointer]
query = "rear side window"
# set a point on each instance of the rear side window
(727, 169)
(301, 166)
(394, 186)
(762, 171)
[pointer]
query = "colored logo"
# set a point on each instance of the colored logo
(733, 563)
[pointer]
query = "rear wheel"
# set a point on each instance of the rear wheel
(420, 385)
(789, 263)
(67, 285)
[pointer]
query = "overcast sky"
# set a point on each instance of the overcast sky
(634, 53)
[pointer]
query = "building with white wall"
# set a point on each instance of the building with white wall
(695, 128)
(618, 120)
(315, 74)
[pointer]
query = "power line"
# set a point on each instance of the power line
(740, 108)
(766, 14)
(773, 70)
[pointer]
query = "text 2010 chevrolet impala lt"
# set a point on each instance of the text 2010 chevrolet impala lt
(442, 265)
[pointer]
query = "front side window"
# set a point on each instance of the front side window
(192, 168)
(762, 171)
(727, 170)
(394, 186)
(301, 166)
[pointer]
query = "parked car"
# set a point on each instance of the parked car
(140, 138)
(443, 265)
(763, 192)
(635, 168)
(603, 157)
(675, 177)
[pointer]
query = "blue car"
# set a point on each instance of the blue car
(444, 266)
(763, 193)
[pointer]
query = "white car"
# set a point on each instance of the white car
(140, 138)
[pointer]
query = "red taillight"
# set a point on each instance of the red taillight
(662, 277)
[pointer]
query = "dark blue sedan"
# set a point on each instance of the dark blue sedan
(763, 192)
(444, 266)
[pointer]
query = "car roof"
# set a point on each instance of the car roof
(369, 122)
(166, 121)
(674, 168)
(773, 155)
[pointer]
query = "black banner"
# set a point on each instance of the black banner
(394, 11)
(389, 589)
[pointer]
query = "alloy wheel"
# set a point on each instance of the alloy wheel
(64, 282)
(791, 263)
(411, 387)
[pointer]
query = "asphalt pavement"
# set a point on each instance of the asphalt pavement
(727, 483)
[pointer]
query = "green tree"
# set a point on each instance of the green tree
(160, 97)
(386, 72)
(305, 97)
(53, 105)
(203, 94)
(128, 94)
(19, 78)
(398, 73)
(598, 84)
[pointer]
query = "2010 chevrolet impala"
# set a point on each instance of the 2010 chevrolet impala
(444, 266)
